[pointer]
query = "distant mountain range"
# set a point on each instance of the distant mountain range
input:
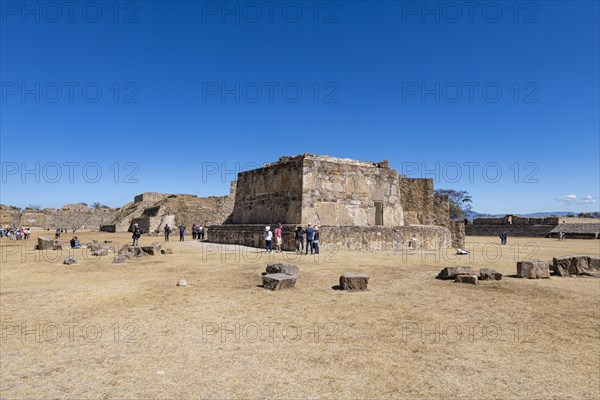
(475, 214)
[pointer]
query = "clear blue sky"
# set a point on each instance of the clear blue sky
(190, 91)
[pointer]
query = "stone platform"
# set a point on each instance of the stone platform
(429, 237)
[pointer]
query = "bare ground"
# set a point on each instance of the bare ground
(102, 330)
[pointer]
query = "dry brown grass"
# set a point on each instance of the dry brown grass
(520, 338)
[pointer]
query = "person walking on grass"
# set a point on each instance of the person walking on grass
(182, 233)
(167, 232)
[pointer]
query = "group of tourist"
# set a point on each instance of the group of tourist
(13, 232)
(197, 232)
(562, 236)
(310, 233)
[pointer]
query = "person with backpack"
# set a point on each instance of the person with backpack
(137, 233)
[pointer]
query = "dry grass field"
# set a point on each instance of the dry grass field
(102, 330)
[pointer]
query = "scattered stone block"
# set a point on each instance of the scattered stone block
(594, 263)
(278, 281)
(453, 272)
(289, 269)
(354, 281)
(119, 258)
(93, 246)
(487, 274)
(100, 252)
(151, 250)
(166, 251)
(182, 282)
(60, 246)
(471, 279)
(462, 251)
(136, 251)
(533, 269)
(70, 260)
(576, 265)
(45, 243)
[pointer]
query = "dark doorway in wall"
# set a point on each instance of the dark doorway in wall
(378, 213)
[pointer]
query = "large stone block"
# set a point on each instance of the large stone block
(289, 269)
(594, 263)
(576, 265)
(487, 274)
(471, 279)
(453, 272)
(153, 250)
(354, 281)
(100, 252)
(533, 269)
(45, 243)
(561, 266)
(278, 281)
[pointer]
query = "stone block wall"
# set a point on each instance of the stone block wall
(417, 197)
(519, 230)
(344, 193)
(271, 193)
(340, 237)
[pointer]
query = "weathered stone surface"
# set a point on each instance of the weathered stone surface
(561, 266)
(289, 269)
(59, 245)
(166, 251)
(119, 258)
(94, 245)
(45, 243)
(136, 251)
(100, 252)
(151, 250)
(471, 279)
(576, 265)
(533, 269)
(354, 281)
(182, 282)
(487, 274)
(278, 281)
(70, 260)
(453, 272)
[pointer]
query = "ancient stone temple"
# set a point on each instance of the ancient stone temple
(356, 204)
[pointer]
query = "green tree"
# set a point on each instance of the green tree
(460, 201)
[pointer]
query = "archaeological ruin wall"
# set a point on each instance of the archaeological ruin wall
(350, 193)
(268, 194)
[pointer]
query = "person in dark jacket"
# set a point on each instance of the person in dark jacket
(316, 240)
(299, 236)
(137, 233)
(181, 233)
(167, 232)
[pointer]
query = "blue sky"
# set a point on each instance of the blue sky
(105, 100)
